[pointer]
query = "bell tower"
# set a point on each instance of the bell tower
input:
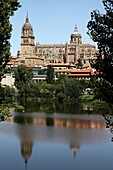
(75, 41)
(27, 40)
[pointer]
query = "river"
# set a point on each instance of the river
(37, 140)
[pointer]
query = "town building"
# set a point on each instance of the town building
(32, 54)
(63, 57)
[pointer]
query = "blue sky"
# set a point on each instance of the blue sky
(53, 21)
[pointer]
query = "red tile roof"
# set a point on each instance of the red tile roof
(64, 70)
(78, 75)
(51, 45)
(87, 45)
(13, 57)
(57, 64)
(75, 70)
(10, 63)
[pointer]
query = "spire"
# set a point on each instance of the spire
(27, 23)
(27, 19)
(75, 29)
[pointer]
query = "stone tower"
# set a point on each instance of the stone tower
(27, 41)
(76, 40)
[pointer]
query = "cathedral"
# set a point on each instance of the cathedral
(32, 54)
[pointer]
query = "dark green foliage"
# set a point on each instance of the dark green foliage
(2, 97)
(9, 93)
(73, 89)
(103, 90)
(54, 107)
(79, 63)
(100, 29)
(4, 112)
(60, 92)
(47, 90)
(50, 75)
(7, 9)
(23, 75)
(23, 90)
(68, 88)
(33, 89)
(64, 89)
(42, 71)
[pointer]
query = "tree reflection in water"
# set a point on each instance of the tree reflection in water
(109, 123)
(74, 107)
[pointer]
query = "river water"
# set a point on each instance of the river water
(57, 141)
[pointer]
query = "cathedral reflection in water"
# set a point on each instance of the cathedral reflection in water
(61, 127)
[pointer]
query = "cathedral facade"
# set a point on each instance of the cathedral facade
(32, 54)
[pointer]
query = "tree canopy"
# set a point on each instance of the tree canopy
(50, 75)
(23, 75)
(7, 9)
(79, 63)
(100, 29)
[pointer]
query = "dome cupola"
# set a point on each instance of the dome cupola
(75, 36)
(75, 32)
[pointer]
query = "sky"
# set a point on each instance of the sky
(53, 21)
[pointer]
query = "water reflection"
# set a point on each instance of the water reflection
(26, 149)
(109, 123)
(54, 107)
(56, 127)
(73, 121)
(48, 140)
(76, 107)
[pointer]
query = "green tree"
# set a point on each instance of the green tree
(100, 29)
(33, 89)
(50, 75)
(42, 71)
(9, 93)
(23, 76)
(73, 89)
(79, 63)
(68, 88)
(103, 90)
(7, 9)
(47, 90)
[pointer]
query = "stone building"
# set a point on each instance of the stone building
(43, 54)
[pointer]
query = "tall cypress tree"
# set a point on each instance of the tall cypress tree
(50, 75)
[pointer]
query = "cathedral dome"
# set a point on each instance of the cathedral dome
(75, 33)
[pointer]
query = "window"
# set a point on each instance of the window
(82, 50)
(72, 49)
(89, 50)
(75, 39)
